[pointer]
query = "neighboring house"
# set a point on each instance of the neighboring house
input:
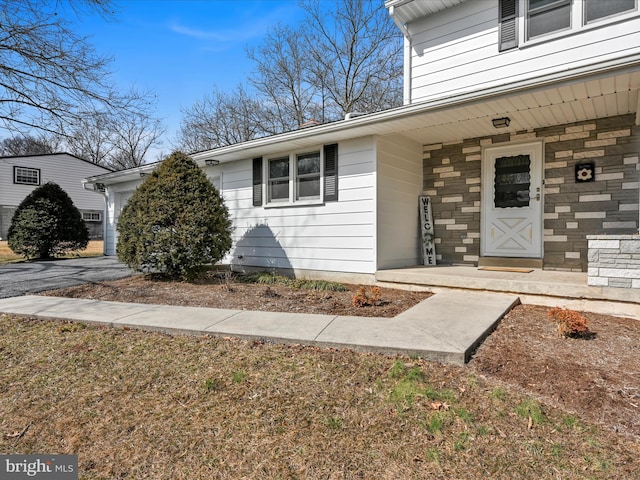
(520, 122)
(19, 175)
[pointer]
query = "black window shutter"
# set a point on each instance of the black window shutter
(331, 173)
(508, 20)
(257, 182)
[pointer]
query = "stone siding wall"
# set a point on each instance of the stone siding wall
(608, 205)
(614, 261)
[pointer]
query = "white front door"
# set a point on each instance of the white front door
(512, 201)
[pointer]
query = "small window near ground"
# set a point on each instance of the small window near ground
(26, 176)
(597, 9)
(547, 16)
(91, 216)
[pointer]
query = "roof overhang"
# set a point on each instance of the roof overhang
(557, 99)
(406, 11)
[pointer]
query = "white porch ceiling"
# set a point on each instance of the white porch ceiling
(544, 107)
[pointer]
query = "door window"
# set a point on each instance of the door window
(512, 181)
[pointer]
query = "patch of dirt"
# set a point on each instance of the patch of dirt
(217, 291)
(597, 377)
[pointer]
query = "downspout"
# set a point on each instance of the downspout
(104, 212)
(407, 55)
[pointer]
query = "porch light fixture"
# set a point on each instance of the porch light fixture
(211, 161)
(501, 122)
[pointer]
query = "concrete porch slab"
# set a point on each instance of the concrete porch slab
(546, 283)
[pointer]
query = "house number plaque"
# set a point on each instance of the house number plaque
(426, 225)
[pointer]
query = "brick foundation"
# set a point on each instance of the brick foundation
(606, 206)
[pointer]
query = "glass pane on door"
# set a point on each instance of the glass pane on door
(512, 181)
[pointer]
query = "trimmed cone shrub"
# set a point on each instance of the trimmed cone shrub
(175, 222)
(46, 224)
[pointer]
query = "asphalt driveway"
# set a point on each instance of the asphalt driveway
(31, 277)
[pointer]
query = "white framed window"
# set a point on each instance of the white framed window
(544, 20)
(294, 178)
(91, 216)
(547, 16)
(278, 174)
(26, 176)
(308, 177)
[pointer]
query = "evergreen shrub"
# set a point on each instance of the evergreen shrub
(175, 222)
(46, 224)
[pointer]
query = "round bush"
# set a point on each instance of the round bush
(175, 222)
(46, 224)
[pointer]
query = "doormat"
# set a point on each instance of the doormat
(507, 269)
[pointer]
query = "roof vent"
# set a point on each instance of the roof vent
(351, 115)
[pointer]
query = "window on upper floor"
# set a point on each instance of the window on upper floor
(26, 176)
(547, 16)
(543, 18)
(308, 177)
(597, 9)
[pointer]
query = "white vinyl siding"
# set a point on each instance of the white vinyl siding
(399, 174)
(456, 51)
(65, 170)
(335, 236)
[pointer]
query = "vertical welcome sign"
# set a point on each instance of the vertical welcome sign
(426, 225)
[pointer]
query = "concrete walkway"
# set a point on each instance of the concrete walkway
(446, 327)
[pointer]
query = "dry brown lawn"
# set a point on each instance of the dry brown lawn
(94, 249)
(145, 405)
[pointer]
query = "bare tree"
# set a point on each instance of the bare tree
(116, 138)
(341, 59)
(29, 145)
(222, 119)
(282, 76)
(48, 74)
(133, 135)
(355, 55)
(90, 138)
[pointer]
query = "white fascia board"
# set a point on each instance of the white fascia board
(120, 176)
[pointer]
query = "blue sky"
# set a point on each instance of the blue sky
(180, 49)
